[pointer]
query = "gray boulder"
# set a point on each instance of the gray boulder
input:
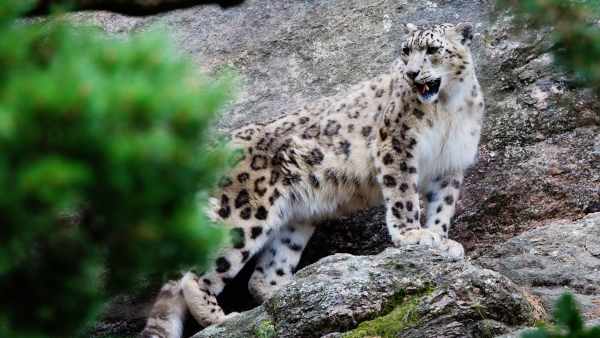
(413, 291)
(561, 257)
(518, 333)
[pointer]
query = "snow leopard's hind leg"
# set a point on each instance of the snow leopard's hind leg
(166, 318)
(279, 259)
(201, 292)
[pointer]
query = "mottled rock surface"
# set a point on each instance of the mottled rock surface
(561, 257)
(518, 333)
(341, 291)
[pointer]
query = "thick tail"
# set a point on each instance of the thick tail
(166, 317)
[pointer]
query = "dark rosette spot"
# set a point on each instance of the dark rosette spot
(403, 167)
(223, 265)
(224, 212)
(366, 131)
(331, 176)
(396, 145)
(311, 132)
(345, 148)
(242, 198)
(389, 181)
(255, 232)
(314, 157)
(245, 255)
(295, 246)
(431, 196)
(396, 212)
(403, 187)
(274, 177)
(313, 180)
(418, 113)
(265, 143)
(388, 159)
(382, 134)
(261, 213)
(412, 143)
(259, 162)
(291, 179)
(257, 189)
(274, 197)
(332, 128)
(449, 199)
(246, 213)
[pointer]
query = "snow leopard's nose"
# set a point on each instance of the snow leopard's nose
(412, 75)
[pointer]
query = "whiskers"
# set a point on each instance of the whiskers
(448, 72)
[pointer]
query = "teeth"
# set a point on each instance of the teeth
(426, 88)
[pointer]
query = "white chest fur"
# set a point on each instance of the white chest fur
(450, 144)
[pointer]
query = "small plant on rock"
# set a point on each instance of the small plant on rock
(266, 330)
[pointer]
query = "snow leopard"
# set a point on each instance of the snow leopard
(402, 138)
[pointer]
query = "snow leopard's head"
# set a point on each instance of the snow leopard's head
(435, 56)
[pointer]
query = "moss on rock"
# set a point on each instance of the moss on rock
(403, 315)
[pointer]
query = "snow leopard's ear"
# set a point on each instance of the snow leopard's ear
(464, 33)
(409, 27)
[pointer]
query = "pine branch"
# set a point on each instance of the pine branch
(128, 7)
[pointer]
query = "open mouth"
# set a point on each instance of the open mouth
(428, 88)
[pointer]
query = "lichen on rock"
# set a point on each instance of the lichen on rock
(403, 315)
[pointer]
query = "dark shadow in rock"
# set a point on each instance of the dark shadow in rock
(359, 233)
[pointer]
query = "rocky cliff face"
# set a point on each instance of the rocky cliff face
(539, 158)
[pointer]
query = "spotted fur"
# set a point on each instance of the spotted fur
(380, 141)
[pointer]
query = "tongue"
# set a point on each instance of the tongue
(420, 88)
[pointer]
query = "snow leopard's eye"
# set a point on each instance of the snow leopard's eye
(432, 50)
(406, 50)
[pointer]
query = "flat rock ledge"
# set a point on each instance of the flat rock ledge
(519, 333)
(563, 256)
(423, 293)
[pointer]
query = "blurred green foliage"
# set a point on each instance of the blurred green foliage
(101, 159)
(574, 29)
(570, 324)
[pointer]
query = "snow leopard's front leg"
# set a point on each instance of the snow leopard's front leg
(441, 195)
(398, 178)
